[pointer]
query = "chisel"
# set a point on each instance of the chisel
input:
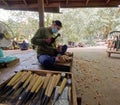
(49, 90)
(22, 88)
(13, 88)
(24, 95)
(19, 84)
(10, 83)
(33, 89)
(42, 91)
(35, 97)
(62, 86)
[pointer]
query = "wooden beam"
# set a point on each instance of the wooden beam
(5, 2)
(107, 1)
(87, 2)
(25, 2)
(90, 4)
(66, 2)
(41, 12)
(46, 2)
(34, 5)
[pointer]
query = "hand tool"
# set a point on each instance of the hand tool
(22, 88)
(42, 90)
(37, 93)
(24, 95)
(49, 90)
(62, 86)
(9, 85)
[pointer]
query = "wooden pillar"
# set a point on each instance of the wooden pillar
(41, 12)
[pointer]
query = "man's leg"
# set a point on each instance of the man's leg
(46, 60)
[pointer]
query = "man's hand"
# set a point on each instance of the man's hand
(59, 48)
(48, 40)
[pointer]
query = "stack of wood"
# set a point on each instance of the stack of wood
(66, 58)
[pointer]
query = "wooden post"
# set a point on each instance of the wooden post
(41, 12)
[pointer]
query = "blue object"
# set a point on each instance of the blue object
(23, 46)
(64, 48)
(1, 53)
(7, 59)
(46, 60)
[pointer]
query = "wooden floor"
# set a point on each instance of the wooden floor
(27, 59)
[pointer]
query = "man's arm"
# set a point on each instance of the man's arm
(37, 39)
(40, 38)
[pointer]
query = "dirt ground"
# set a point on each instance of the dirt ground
(97, 77)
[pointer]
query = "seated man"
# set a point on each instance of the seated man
(24, 45)
(46, 48)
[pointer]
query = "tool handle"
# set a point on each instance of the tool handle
(62, 86)
(48, 86)
(15, 85)
(69, 93)
(47, 78)
(35, 77)
(18, 79)
(51, 85)
(27, 81)
(53, 39)
(17, 75)
(36, 84)
(49, 90)
(57, 79)
(26, 75)
(40, 85)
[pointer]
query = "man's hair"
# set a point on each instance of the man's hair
(57, 22)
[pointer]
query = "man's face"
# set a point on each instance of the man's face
(58, 27)
(55, 28)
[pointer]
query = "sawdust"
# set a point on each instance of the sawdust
(97, 76)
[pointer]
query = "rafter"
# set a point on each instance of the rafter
(107, 1)
(87, 2)
(66, 2)
(46, 2)
(33, 5)
(22, 6)
(25, 2)
(5, 2)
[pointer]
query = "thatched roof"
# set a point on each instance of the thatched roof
(54, 5)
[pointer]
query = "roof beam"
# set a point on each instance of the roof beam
(25, 2)
(5, 2)
(87, 2)
(46, 2)
(66, 2)
(34, 5)
(107, 1)
(90, 4)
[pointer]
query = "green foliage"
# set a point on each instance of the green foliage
(81, 24)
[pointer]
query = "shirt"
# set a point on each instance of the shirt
(39, 40)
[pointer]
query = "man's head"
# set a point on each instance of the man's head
(56, 26)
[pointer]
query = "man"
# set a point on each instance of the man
(46, 50)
